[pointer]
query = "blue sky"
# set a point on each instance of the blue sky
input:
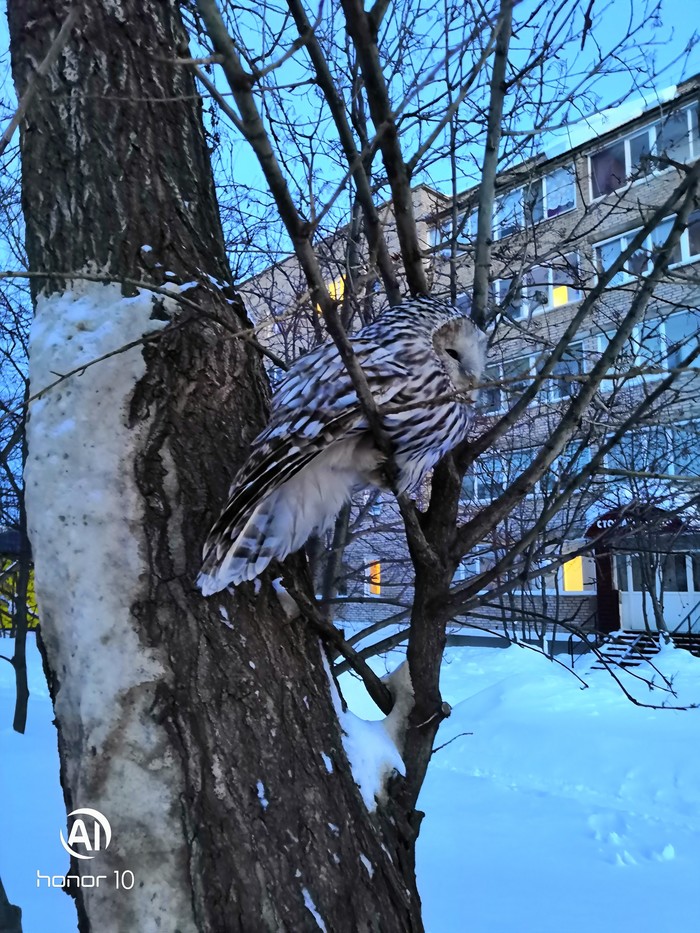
(664, 46)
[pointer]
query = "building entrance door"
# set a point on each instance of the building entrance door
(675, 580)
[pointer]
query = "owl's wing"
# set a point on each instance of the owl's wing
(314, 407)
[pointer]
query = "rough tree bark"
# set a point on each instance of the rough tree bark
(241, 826)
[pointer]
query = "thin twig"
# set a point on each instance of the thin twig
(449, 742)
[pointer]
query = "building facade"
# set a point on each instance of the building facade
(560, 222)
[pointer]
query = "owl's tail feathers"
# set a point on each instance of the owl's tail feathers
(235, 555)
(280, 524)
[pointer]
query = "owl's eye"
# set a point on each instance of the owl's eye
(452, 353)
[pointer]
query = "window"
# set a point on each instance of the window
(677, 135)
(508, 379)
(657, 346)
(679, 573)
(680, 333)
(641, 262)
(627, 358)
(516, 375)
(541, 287)
(374, 503)
(484, 482)
(643, 575)
(508, 217)
(608, 169)
(572, 573)
(508, 297)
(467, 568)
(685, 444)
(373, 576)
(491, 475)
(644, 451)
(669, 450)
(564, 383)
(565, 280)
(490, 395)
(535, 289)
(690, 241)
(441, 234)
(559, 191)
(695, 567)
(623, 160)
(621, 565)
(569, 463)
(674, 574)
(336, 289)
(544, 197)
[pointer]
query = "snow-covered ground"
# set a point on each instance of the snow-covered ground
(564, 809)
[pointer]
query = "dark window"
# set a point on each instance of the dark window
(639, 152)
(570, 365)
(621, 572)
(695, 561)
(673, 138)
(533, 202)
(694, 234)
(674, 576)
(490, 395)
(608, 169)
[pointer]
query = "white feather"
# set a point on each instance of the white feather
(285, 519)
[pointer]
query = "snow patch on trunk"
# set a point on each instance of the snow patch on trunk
(401, 689)
(311, 907)
(370, 748)
(85, 522)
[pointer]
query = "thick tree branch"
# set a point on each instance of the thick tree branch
(373, 229)
(487, 188)
(378, 691)
(251, 125)
(360, 28)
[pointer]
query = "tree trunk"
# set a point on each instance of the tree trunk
(196, 727)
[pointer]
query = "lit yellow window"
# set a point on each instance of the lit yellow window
(336, 290)
(560, 295)
(573, 575)
(375, 578)
(9, 573)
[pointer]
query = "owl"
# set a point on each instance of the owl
(422, 361)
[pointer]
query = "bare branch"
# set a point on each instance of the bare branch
(360, 27)
(482, 259)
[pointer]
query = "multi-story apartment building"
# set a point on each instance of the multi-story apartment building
(559, 223)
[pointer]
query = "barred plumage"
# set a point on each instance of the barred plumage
(422, 361)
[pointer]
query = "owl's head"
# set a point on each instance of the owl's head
(461, 347)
